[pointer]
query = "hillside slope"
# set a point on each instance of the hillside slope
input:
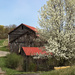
(4, 45)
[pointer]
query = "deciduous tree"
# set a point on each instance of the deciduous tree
(57, 21)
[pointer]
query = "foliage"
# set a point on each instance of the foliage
(5, 29)
(57, 21)
(9, 71)
(13, 60)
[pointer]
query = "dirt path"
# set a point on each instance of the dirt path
(3, 53)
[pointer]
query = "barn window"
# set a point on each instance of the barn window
(22, 27)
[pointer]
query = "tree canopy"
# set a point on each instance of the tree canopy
(57, 20)
(4, 30)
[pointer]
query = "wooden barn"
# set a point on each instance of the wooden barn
(22, 41)
(22, 36)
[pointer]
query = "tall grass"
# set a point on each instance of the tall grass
(68, 71)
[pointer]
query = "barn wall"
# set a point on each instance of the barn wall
(22, 36)
(24, 41)
(18, 32)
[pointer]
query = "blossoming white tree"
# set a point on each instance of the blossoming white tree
(57, 21)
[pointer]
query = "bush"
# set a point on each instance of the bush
(13, 60)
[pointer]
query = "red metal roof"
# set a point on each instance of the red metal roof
(33, 51)
(30, 27)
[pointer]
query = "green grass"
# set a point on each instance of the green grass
(4, 48)
(68, 71)
(1, 42)
(2, 61)
(4, 45)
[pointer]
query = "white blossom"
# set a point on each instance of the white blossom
(57, 20)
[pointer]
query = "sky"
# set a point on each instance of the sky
(20, 11)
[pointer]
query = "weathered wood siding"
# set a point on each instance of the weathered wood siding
(21, 38)
(19, 31)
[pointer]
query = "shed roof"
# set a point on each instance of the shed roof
(34, 50)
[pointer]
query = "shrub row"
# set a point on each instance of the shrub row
(16, 61)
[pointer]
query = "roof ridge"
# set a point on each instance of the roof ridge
(31, 27)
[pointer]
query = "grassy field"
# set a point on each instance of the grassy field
(67, 71)
(4, 45)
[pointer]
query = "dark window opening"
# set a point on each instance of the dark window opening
(22, 27)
